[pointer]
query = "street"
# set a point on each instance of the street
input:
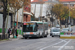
(49, 43)
(22, 19)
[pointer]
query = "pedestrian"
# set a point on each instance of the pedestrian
(13, 31)
(9, 30)
(16, 33)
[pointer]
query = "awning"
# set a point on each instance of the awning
(27, 13)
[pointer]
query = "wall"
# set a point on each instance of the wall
(1, 22)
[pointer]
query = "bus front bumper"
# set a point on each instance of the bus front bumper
(30, 35)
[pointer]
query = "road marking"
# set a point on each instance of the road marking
(64, 40)
(51, 45)
(64, 45)
(44, 45)
(26, 47)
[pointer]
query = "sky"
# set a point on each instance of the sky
(31, 0)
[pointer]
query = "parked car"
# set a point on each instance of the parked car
(57, 26)
(55, 32)
(66, 30)
(51, 30)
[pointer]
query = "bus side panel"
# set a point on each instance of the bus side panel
(46, 29)
(40, 29)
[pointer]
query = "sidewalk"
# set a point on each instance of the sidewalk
(18, 37)
(12, 39)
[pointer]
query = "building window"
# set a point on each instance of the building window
(65, 4)
(71, 4)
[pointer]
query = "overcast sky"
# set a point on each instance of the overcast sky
(31, 0)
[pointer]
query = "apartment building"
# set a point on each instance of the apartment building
(68, 3)
(27, 12)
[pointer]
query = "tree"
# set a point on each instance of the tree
(15, 5)
(60, 11)
(72, 13)
(65, 15)
(4, 5)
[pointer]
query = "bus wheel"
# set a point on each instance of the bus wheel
(46, 36)
(39, 35)
(52, 36)
(25, 37)
(42, 36)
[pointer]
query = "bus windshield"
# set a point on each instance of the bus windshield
(30, 28)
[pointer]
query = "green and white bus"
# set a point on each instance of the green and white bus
(35, 29)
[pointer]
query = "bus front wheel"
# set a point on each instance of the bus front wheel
(25, 37)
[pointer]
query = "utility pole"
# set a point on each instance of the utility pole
(17, 19)
(69, 13)
(69, 17)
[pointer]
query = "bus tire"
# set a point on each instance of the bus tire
(39, 35)
(42, 35)
(25, 37)
(52, 36)
(46, 36)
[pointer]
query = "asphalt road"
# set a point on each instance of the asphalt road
(49, 43)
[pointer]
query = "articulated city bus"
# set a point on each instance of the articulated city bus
(35, 29)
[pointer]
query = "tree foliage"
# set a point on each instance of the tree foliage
(60, 11)
(17, 4)
(65, 12)
(72, 12)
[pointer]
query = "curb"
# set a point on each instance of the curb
(72, 37)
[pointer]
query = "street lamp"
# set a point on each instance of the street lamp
(69, 16)
(69, 13)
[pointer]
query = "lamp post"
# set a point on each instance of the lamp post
(69, 16)
(69, 13)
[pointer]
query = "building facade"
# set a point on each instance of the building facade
(27, 12)
(68, 3)
(43, 8)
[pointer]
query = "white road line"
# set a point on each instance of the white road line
(51, 45)
(18, 48)
(64, 40)
(43, 45)
(64, 45)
